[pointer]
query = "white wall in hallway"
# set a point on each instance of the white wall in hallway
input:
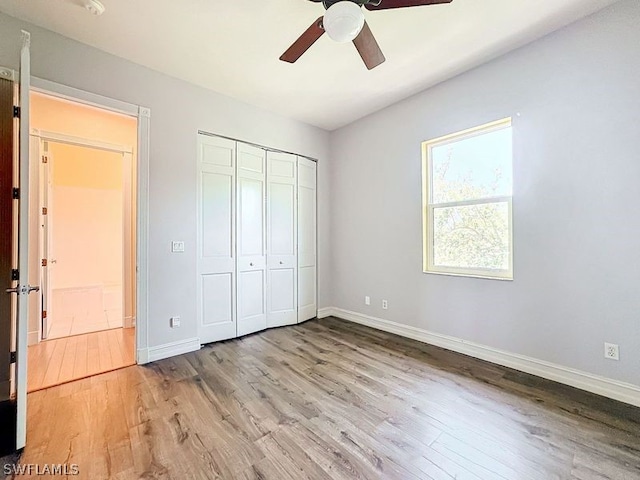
(576, 197)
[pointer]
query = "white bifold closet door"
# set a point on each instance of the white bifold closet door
(282, 265)
(251, 242)
(216, 262)
(307, 269)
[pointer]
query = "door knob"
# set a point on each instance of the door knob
(22, 289)
(281, 262)
(251, 264)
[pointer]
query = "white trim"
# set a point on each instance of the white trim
(142, 231)
(169, 350)
(621, 391)
(33, 338)
(9, 74)
(143, 114)
(81, 141)
(87, 98)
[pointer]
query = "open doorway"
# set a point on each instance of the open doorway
(82, 224)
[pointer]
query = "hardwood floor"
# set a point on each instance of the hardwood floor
(330, 400)
(62, 360)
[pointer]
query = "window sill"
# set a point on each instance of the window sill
(469, 275)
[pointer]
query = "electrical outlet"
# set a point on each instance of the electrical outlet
(175, 322)
(385, 304)
(367, 300)
(611, 351)
(177, 247)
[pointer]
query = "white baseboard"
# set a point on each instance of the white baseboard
(168, 350)
(623, 392)
(33, 338)
(142, 357)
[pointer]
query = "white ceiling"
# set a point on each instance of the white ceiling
(233, 46)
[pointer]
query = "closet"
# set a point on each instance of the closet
(256, 261)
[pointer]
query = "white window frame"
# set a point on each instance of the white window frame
(428, 206)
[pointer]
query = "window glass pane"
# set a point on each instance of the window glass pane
(472, 168)
(472, 236)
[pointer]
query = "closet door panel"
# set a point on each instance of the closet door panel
(251, 261)
(283, 291)
(217, 297)
(281, 239)
(217, 208)
(251, 218)
(216, 265)
(307, 246)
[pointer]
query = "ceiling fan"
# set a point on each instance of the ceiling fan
(344, 22)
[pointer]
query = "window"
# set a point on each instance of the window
(467, 189)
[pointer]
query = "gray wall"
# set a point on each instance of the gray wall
(178, 110)
(576, 201)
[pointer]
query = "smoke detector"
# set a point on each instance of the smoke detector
(94, 6)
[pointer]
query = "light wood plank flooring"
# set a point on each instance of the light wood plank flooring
(330, 400)
(62, 360)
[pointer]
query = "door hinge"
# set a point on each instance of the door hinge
(44, 262)
(16, 112)
(15, 193)
(44, 210)
(12, 357)
(44, 314)
(45, 159)
(15, 274)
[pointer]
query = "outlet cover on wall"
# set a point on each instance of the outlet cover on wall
(174, 322)
(385, 304)
(367, 300)
(611, 351)
(177, 246)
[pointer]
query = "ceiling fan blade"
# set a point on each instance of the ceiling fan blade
(368, 48)
(304, 42)
(386, 4)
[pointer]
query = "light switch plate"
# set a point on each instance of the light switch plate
(175, 322)
(177, 246)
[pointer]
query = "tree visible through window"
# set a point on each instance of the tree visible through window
(467, 202)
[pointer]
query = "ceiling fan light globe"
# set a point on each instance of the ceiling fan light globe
(343, 21)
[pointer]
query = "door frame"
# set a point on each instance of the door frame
(143, 115)
(63, 139)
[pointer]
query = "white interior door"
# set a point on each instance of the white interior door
(23, 289)
(307, 248)
(252, 259)
(216, 263)
(282, 271)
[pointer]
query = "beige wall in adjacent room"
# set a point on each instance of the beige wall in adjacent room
(60, 116)
(86, 214)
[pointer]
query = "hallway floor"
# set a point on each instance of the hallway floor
(53, 362)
